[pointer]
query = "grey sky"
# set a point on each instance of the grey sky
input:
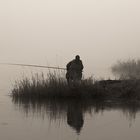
(53, 31)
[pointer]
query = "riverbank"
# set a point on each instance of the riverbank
(55, 86)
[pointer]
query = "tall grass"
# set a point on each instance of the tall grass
(129, 69)
(55, 86)
(38, 85)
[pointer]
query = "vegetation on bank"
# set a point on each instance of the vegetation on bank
(55, 86)
(129, 69)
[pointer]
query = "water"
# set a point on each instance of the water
(63, 119)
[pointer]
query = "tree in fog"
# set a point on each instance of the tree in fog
(129, 69)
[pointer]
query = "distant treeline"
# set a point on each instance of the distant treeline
(129, 69)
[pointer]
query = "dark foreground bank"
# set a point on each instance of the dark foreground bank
(56, 87)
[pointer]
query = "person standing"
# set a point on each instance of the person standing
(74, 70)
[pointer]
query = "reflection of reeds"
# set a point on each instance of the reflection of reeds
(73, 109)
(55, 86)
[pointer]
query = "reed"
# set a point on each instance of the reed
(55, 86)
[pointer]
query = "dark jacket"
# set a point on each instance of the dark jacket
(75, 65)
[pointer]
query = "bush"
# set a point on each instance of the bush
(127, 69)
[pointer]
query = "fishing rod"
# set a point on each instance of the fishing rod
(28, 65)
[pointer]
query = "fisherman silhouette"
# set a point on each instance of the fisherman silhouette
(74, 70)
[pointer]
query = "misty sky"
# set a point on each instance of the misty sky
(54, 31)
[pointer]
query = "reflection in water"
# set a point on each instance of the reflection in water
(75, 117)
(74, 110)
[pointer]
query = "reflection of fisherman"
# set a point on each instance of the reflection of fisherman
(75, 117)
(74, 69)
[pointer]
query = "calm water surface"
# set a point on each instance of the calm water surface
(62, 119)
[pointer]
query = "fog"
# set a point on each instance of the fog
(52, 32)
